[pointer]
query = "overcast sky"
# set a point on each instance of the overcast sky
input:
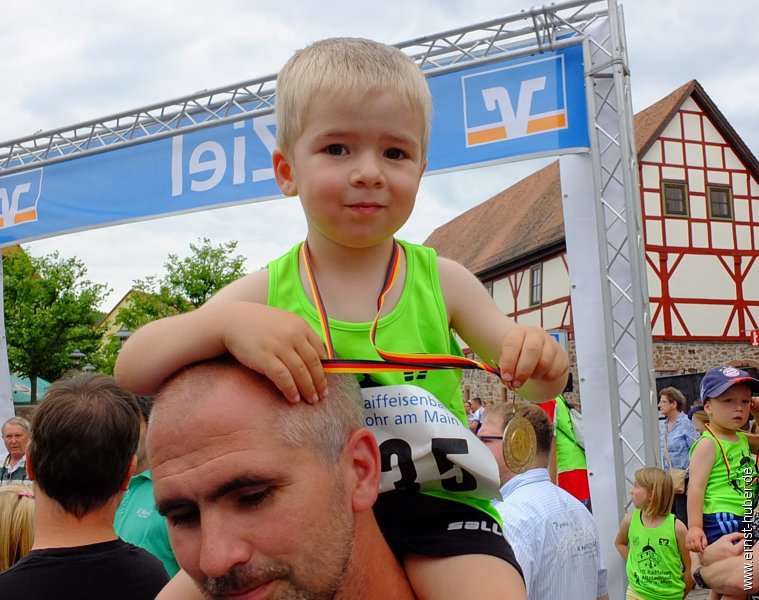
(63, 62)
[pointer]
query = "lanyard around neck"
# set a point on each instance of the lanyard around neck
(391, 361)
(724, 455)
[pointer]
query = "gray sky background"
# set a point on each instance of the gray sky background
(62, 62)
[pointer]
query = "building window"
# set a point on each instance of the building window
(489, 287)
(675, 199)
(720, 202)
(536, 284)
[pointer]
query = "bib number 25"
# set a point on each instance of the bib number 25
(442, 448)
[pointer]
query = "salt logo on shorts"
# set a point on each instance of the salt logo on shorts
(515, 101)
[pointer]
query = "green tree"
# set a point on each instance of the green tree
(187, 283)
(50, 311)
(197, 277)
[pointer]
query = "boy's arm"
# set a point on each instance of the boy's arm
(701, 462)
(273, 342)
(622, 542)
(681, 531)
(527, 356)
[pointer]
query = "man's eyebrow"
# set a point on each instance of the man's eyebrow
(243, 481)
(233, 485)
(165, 506)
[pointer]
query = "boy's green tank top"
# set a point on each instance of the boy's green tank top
(653, 563)
(418, 418)
(728, 492)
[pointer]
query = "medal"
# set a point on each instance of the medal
(519, 444)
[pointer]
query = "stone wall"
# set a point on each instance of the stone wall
(670, 358)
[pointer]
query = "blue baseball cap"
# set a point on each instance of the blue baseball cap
(719, 379)
(694, 410)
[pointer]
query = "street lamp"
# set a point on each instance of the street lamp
(123, 334)
(76, 357)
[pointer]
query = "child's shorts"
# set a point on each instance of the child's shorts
(415, 523)
(718, 524)
(632, 594)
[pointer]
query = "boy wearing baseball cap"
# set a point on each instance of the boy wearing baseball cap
(723, 473)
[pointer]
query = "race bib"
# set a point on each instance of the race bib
(424, 447)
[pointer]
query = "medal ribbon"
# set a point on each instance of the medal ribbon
(391, 361)
(724, 459)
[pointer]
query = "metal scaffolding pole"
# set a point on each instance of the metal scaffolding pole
(609, 290)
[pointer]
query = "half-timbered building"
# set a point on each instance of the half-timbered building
(699, 194)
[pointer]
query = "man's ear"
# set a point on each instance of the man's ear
(362, 457)
(283, 173)
(129, 473)
(29, 467)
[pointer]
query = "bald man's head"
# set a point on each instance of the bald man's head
(258, 491)
(324, 426)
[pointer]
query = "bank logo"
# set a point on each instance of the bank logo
(515, 101)
(19, 194)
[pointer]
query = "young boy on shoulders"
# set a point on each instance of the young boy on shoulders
(723, 473)
(353, 122)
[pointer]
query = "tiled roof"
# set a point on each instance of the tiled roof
(526, 219)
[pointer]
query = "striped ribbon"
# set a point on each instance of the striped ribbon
(391, 361)
(724, 457)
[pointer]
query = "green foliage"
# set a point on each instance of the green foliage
(50, 311)
(199, 276)
(187, 284)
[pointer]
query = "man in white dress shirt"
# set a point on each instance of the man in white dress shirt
(553, 535)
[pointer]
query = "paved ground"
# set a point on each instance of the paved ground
(698, 595)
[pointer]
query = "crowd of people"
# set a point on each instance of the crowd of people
(205, 490)
(257, 473)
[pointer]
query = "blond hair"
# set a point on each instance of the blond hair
(658, 484)
(345, 64)
(16, 523)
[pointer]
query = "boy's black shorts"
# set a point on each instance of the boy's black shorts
(415, 523)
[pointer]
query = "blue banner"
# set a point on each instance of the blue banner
(518, 108)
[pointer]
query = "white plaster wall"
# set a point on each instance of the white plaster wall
(694, 155)
(502, 296)
(705, 319)
(677, 232)
(653, 233)
(692, 127)
(722, 235)
(555, 280)
(701, 276)
(699, 235)
(552, 315)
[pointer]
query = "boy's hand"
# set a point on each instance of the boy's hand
(528, 352)
(695, 541)
(279, 345)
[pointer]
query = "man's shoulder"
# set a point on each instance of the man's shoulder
(110, 569)
(544, 497)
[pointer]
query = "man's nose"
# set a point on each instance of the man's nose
(223, 546)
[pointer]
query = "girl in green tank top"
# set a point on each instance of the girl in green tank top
(652, 541)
